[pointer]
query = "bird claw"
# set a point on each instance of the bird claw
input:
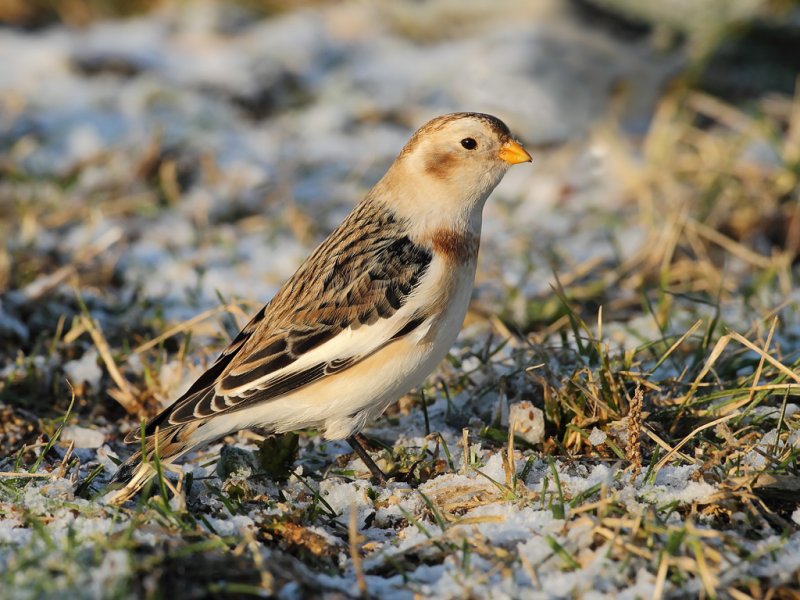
(377, 475)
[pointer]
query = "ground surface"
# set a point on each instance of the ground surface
(161, 176)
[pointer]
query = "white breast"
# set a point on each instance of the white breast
(405, 364)
(345, 402)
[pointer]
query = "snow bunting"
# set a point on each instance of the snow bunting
(365, 318)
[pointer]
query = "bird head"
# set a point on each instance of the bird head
(452, 163)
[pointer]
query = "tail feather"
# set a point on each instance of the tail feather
(133, 474)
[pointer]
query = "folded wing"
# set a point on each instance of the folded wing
(321, 322)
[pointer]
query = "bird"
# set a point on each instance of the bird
(368, 315)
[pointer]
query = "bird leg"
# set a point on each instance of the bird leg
(377, 474)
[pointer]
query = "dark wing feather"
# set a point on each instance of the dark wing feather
(349, 281)
(205, 383)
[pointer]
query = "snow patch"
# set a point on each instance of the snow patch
(527, 420)
(85, 369)
(82, 437)
(597, 437)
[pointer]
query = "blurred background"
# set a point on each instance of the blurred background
(162, 158)
(166, 164)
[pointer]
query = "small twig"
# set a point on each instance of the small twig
(694, 432)
(465, 453)
(676, 345)
(716, 352)
(180, 327)
(267, 582)
(127, 393)
(45, 283)
(508, 459)
(355, 556)
(726, 243)
(757, 375)
(775, 363)
(664, 445)
(661, 576)
(62, 470)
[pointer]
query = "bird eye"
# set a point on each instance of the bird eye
(469, 143)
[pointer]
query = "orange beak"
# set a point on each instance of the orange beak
(513, 153)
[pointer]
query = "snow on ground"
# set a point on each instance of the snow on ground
(261, 133)
(340, 89)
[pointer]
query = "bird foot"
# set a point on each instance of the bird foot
(378, 476)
